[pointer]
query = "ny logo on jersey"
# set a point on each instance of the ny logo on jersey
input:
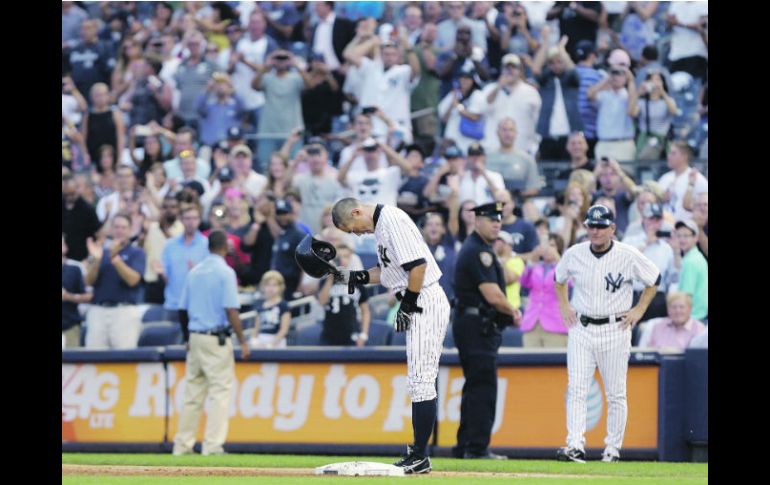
(613, 282)
(383, 255)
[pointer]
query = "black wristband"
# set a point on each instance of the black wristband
(410, 297)
(362, 277)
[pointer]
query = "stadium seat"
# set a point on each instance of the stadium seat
(154, 313)
(512, 337)
(309, 335)
(380, 333)
(155, 334)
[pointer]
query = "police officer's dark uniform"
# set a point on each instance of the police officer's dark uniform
(478, 338)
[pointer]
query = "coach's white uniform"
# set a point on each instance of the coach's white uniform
(400, 247)
(603, 287)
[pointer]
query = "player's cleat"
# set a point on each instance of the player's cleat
(415, 464)
(484, 456)
(571, 454)
(609, 458)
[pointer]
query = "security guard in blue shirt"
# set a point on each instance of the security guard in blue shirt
(209, 301)
(481, 312)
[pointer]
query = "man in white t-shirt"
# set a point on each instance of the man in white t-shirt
(247, 58)
(683, 183)
(385, 83)
(374, 185)
(362, 125)
(246, 179)
(689, 40)
(479, 184)
(512, 97)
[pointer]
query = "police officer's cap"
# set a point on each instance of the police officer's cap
(493, 210)
(599, 215)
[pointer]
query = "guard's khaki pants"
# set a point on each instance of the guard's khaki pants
(208, 372)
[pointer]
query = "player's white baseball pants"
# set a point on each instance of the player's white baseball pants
(424, 342)
(607, 346)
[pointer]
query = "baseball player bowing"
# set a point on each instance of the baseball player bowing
(407, 268)
(600, 319)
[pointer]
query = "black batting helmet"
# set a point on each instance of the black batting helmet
(313, 257)
(599, 215)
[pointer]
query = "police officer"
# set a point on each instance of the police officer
(481, 312)
(287, 237)
(209, 302)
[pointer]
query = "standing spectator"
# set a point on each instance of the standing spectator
(318, 188)
(441, 244)
(683, 183)
(523, 234)
(638, 28)
(438, 188)
(569, 225)
(362, 127)
(425, 94)
(115, 272)
(515, 31)
(577, 20)
(451, 65)
(464, 101)
(585, 55)
(689, 38)
(281, 21)
(152, 149)
(693, 274)
(649, 62)
(209, 307)
(109, 205)
(127, 59)
(516, 166)
(341, 325)
(410, 195)
(412, 25)
(652, 244)
(447, 30)
(615, 183)
(287, 237)
(282, 111)
(103, 124)
(236, 258)
(512, 97)
(250, 182)
(700, 216)
(73, 104)
(374, 184)
(219, 108)
(655, 112)
(273, 314)
(386, 83)
(322, 99)
(542, 323)
(577, 147)
(168, 226)
(148, 98)
(192, 77)
(180, 255)
(513, 267)
(72, 17)
(434, 12)
(559, 89)
(73, 292)
(331, 35)
(78, 219)
(105, 174)
(247, 57)
(88, 62)
(615, 128)
(184, 140)
(676, 331)
(478, 183)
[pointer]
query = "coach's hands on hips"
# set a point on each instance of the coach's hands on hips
(569, 316)
(631, 317)
(351, 278)
(408, 306)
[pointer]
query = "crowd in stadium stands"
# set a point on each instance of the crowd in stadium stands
(254, 117)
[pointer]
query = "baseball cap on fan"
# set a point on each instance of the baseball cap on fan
(689, 224)
(511, 59)
(505, 237)
(234, 133)
(370, 144)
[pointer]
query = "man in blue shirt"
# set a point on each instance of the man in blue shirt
(287, 237)
(72, 293)
(209, 301)
(179, 256)
(586, 59)
(115, 271)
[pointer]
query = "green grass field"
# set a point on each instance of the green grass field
(623, 473)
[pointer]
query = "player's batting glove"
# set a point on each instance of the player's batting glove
(408, 306)
(350, 278)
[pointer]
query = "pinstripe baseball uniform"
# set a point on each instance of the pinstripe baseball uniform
(400, 247)
(603, 288)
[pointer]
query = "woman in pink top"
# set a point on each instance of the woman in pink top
(542, 324)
